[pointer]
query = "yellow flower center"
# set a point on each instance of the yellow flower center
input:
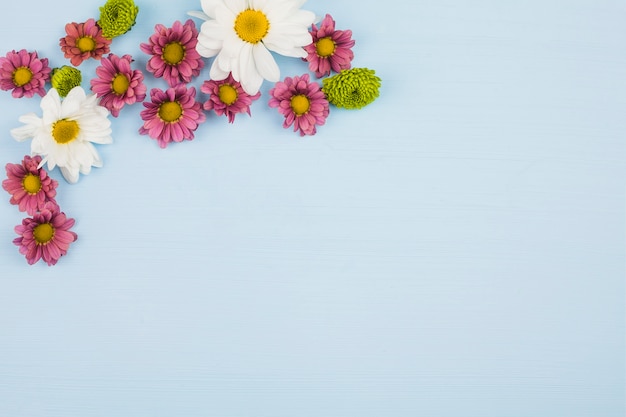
(22, 76)
(228, 94)
(120, 84)
(43, 233)
(170, 111)
(325, 47)
(86, 44)
(31, 183)
(300, 104)
(64, 131)
(251, 26)
(173, 53)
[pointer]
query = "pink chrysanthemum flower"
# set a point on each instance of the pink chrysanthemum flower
(24, 73)
(172, 115)
(330, 48)
(227, 97)
(45, 236)
(84, 41)
(29, 185)
(301, 102)
(118, 84)
(174, 55)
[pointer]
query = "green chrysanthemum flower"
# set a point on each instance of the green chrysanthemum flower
(117, 17)
(353, 88)
(65, 78)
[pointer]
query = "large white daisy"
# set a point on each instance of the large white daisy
(241, 33)
(64, 135)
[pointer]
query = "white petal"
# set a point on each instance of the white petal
(70, 176)
(251, 82)
(199, 15)
(236, 6)
(51, 106)
(32, 124)
(265, 63)
(216, 73)
(208, 7)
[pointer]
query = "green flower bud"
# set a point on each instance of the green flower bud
(353, 88)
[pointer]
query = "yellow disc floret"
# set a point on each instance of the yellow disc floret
(22, 76)
(325, 47)
(64, 131)
(173, 53)
(300, 104)
(31, 183)
(251, 26)
(170, 111)
(43, 233)
(227, 94)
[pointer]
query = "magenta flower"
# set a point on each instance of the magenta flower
(84, 41)
(172, 115)
(118, 84)
(227, 97)
(30, 186)
(330, 48)
(301, 102)
(174, 55)
(45, 236)
(24, 73)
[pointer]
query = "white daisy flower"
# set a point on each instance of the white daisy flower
(241, 33)
(64, 135)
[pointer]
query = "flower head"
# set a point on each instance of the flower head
(84, 41)
(240, 35)
(117, 17)
(172, 115)
(301, 102)
(227, 97)
(353, 88)
(174, 55)
(66, 132)
(29, 185)
(117, 83)
(45, 236)
(330, 48)
(64, 79)
(24, 73)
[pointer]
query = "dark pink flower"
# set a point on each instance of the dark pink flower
(174, 55)
(24, 73)
(45, 236)
(118, 84)
(84, 41)
(301, 102)
(172, 115)
(227, 97)
(330, 48)
(30, 186)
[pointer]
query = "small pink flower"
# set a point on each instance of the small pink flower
(227, 97)
(174, 55)
(30, 186)
(118, 84)
(24, 73)
(84, 41)
(301, 102)
(330, 48)
(172, 115)
(45, 236)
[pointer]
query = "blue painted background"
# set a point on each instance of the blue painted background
(455, 249)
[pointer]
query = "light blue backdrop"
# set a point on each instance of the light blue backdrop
(454, 249)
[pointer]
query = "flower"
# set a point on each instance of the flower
(29, 185)
(64, 79)
(84, 41)
(117, 84)
(330, 48)
(174, 55)
(66, 132)
(117, 17)
(227, 97)
(24, 73)
(301, 102)
(172, 115)
(352, 89)
(241, 33)
(45, 236)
